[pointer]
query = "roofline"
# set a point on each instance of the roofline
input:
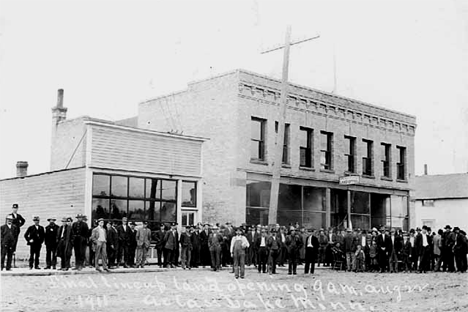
(433, 198)
(41, 173)
(442, 174)
(139, 130)
(306, 88)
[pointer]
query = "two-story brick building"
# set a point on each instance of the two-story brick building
(327, 137)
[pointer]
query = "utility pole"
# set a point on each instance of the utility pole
(278, 160)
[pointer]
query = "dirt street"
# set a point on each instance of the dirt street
(203, 290)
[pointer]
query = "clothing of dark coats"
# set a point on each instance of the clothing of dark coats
(51, 235)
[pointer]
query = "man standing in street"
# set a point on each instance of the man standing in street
(204, 248)
(51, 243)
(214, 245)
(238, 245)
(274, 245)
(312, 246)
(34, 237)
(98, 237)
(170, 245)
(124, 233)
(8, 241)
(112, 245)
(349, 246)
(65, 243)
(143, 238)
(448, 241)
(80, 233)
(383, 246)
(18, 222)
(293, 244)
(132, 245)
(159, 239)
(424, 247)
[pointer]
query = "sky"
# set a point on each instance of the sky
(108, 56)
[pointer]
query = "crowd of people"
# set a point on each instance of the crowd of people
(114, 243)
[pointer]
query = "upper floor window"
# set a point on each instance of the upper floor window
(350, 153)
(367, 159)
(386, 160)
(326, 145)
(401, 164)
(285, 142)
(257, 138)
(189, 194)
(305, 149)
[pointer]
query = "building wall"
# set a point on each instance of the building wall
(208, 109)
(445, 211)
(68, 144)
(124, 149)
(53, 194)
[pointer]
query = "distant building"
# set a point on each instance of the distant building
(109, 170)
(327, 138)
(441, 200)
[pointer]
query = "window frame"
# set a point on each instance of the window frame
(308, 150)
(328, 165)
(351, 154)
(260, 141)
(368, 160)
(386, 160)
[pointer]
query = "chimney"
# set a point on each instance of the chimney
(21, 169)
(59, 112)
(425, 169)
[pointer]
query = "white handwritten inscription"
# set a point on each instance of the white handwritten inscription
(267, 295)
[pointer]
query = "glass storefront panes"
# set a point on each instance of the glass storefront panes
(286, 217)
(153, 188)
(153, 210)
(136, 210)
(168, 212)
(314, 199)
(188, 218)
(289, 197)
(136, 188)
(360, 221)
(119, 186)
(360, 202)
(315, 220)
(258, 194)
(189, 194)
(256, 216)
(100, 208)
(169, 190)
(118, 209)
(101, 185)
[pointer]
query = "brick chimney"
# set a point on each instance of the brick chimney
(21, 169)
(425, 169)
(59, 112)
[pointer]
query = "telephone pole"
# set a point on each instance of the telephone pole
(278, 160)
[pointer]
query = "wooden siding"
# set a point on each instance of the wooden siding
(144, 152)
(53, 194)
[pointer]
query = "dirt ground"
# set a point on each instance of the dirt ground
(203, 290)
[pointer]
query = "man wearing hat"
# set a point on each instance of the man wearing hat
(51, 243)
(384, 247)
(34, 237)
(238, 245)
(205, 257)
(214, 244)
(65, 243)
(112, 244)
(18, 221)
(293, 244)
(423, 244)
(143, 238)
(312, 246)
(349, 246)
(158, 237)
(80, 234)
(99, 239)
(274, 245)
(132, 246)
(123, 231)
(448, 241)
(171, 243)
(8, 240)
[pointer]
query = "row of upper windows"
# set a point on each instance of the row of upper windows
(258, 127)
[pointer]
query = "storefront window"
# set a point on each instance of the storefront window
(118, 209)
(258, 194)
(189, 194)
(137, 188)
(153, 188)
(168, 211)
(101, 185)
(314, 199)
(136, 210)
(256, 216)
(289, 197)
(169, 190)
(119, 186)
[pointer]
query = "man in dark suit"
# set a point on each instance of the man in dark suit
(383, 246)
(394, 249)
(132, 246)
(8, 241)
(34, 236)
(311, 252)
(18, 222)
(448, 241)
(80, 234)
(170, 244)
(423, 244)
(196, 247)
(51, 243)
(65, 243)
(158, 237)
(112, 244)
(293, 244)
(349, 247)
(274, 245)
(124, 233)
(205, 255)
(262, 251)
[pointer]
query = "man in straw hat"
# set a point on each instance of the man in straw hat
(51, 243)
(8, 239)
(34, 237)
(238, 245)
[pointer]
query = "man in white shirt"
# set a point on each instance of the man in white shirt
(424, 247)
(99, 239)
(238, 245)
(262, 251)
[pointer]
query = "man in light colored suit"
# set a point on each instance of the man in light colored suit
(143, 238)
(98, 237)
